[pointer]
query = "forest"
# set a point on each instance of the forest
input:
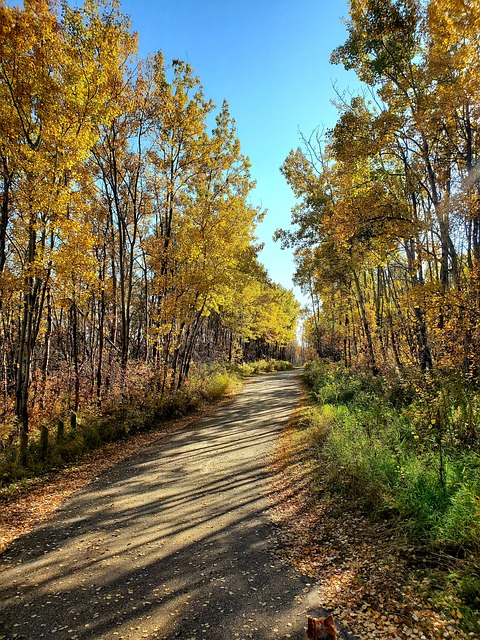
(128, 257)
(131, 284)
(388, 221)
(386, 234)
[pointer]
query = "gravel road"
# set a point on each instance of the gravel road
(171, 543)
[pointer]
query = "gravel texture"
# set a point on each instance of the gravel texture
(173, 542)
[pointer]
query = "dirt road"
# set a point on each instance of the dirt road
(171, 543)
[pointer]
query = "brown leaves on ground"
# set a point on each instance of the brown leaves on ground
(368, 575)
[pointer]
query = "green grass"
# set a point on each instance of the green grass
(385, 456)
(405, 455)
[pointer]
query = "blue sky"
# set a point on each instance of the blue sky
(270, 60)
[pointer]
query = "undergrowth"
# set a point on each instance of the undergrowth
(140, 409)
(405, 449)
(260, 366)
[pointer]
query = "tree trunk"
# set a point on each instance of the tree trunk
(366, 326)
(74, 321)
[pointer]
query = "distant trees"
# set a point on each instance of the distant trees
(126, 236)
(387, 238)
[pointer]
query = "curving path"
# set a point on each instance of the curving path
(171, 543)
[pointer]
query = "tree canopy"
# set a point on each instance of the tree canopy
(387, 223)
(127, 237)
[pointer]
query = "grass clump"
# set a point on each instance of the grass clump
(406, 450)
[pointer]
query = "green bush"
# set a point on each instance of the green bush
(247, 369)
(283, 365)
(358, 463)
(315, 374)
(91, 437)
(69, 449)
(219, 385)
(263, 366)
(419, 496)
(391, 458)
(243, 370)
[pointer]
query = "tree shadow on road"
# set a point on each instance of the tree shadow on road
(171, 543)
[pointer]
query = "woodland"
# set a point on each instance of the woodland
(128, 257)
(130, 284)
(386, 235)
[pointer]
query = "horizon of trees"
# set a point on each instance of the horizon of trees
(387, 225)
(127, 239)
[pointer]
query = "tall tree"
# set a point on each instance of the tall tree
(55, 72)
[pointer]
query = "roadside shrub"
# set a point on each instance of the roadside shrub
(419, 497)
(112, 429)
(283, 365)
(243, 370)
(91, 437)
(398, 459)
(219, 385)
(263, 366)
(358, 465)
(69, 449)
(314, 426)
(10, 468)
(315, 374)
(246, 369)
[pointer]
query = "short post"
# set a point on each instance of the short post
(43, 441)
(60, 430)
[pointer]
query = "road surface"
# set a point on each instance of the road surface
(171, 543)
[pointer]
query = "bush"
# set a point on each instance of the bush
(377, 453)
(419, 496)
(358, 464)
(283, 365)
(219, 385)
(246, 369)
(315, 374)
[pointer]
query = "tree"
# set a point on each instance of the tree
(55, 72)
(389, 201)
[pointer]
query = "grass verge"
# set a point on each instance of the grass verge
(394, 453)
